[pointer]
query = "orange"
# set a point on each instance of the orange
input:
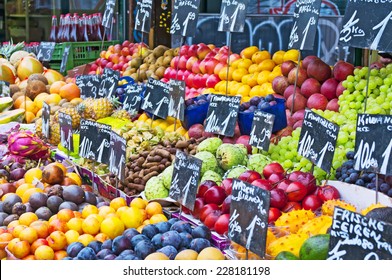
(70, 91)
(112, 227)
(291, 55)
(31, 174)
(253, 68)
(239, 73)
(19, 101)
(233, 88)
(245, 63)
(117, 203)
(252, 80)
(153, 208)
(53, 99)
(245, 99)
(27, 218)
(75, 177)
(56, 86)
(263, 77)
(249, 51)
(267, 64)
(223, 73)
(29, 106)
(29, 234)
(29, 192)
(259, 56)
(157, 218)
(278, 57)
(255, 91)
(22, 188)
(29, 117)
(138, 203)
(39, 99)
(266, 89)
(244, 90)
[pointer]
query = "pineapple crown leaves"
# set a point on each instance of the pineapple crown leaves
(8, 48)
(115, 101)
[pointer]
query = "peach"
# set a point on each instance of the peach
(37, 243)
(17, 230)
(29, 234)
(59, 255)
(21, 249)
(57, 225)
(57, 240)
(65, 215)
(42, 228)
(44, 252)
(4, 239)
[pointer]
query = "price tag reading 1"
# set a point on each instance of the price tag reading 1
(118, 146)
(64, 59)
(66, 135)
(261, 132)
(156, 98)
(177, 99)
(132, 98)
(361, 30)
(185, 14)
(89, 85)
(373, 143)
(355, 237)
(185, 179)
(45, 51)
(232, 15)
(4, 89)
(248, 221)
(107, 19)
(46, 120)
(318, 140)
(109, 82)
(143, 16)
(222, 114)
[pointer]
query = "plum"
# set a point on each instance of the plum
(74, 248)
(156, 241)
(171, 238)
(163, 226)
(126, 252)
(107, 244)
(150, 231)
(144, 248)
(169, 251)
(131, 257)
(95, 245)
(67, 258)
(199, 244)
(136, 239)
(120, 243)
(130, 233)
(201, 232)
(103, 253)
(87, 253)
(181, 226)
(172, 221)
(110, 257)
(186, 239)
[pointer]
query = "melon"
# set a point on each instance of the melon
(5, 103)
(16, 115)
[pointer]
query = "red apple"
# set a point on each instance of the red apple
(212, 80)
(284, 184)
(190, 79)
(319, 70)
(290, 90)
(273, 214)
(279, 84)
(306, 178)
(291, 206)
(249, 176)
(328, 192)
(125, 51)
(302, 76)
(202, 50)
(317, 101)
(226, 205)
(182, 62)
(215, 194)
(307, 60)
(196, 131)
(199, 204)
(287, 66)
(228, 140)
(333, 105)
(271, 168)
(275, 178)
(189, 63)
(211, 219)
(185, 210)
(309, 87)
(244, 140)
(328, 88)
(196, 67)
(263, 184)
(192, 50)
(219, 67)
(339, 89)
(278, 198)
(204, 186)
(227, 184)
(184, 50)
(311, 202)
(125, 43)
(298, 124)
(222, 224)
(299, 115)
(207, 209)
(296, 191)
(174, 62)
(342, 69)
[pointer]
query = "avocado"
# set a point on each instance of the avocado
(286, 255)
(315, 248)
(382, 214)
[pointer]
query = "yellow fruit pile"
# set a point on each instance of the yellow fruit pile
(167, 124)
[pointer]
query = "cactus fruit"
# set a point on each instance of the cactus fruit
(294, 220)
(371, 207)
(328, 207)
(318, 225)
(291, 243)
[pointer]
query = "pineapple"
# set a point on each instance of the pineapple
(102, 108)
(85, 108)
(329, 206)
(291, 243)
(294, 220)
(73, 113)
(318, 225)
(54, 134)
(121, 114)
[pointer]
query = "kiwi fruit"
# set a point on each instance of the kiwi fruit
(37, 77)
(34, 88)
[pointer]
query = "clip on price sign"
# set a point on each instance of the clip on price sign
(356, 237)
(45, 51)
(156, 98)
(4, 89)
(185, 179)
(248, 221)
(107, 19)
(132, 98)
(118, 147)
(89, 85)
(261, 132)
(66, 134)
(222, 114)
(318, 140)
(184, 19)
(109, 82)
(232, 15)
(143, 16)
(64, 59)
(177, 99)
(46, 120)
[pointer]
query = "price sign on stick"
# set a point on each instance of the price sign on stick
(185, 179)
(232, 15)
(108, 14)
(89, 85)
(156, 98)
(184, 19)
(261, 132)
(367, 24)
(64, 59)
(248, 221)
(304, 29)
(109, 82)
(118, 146)
(355, 237)
(373, 143)
(46, 120)
(222, 114)
(318, 140)
(66, 135)
(177, 99)
(4, 89)
(132, 98)
(45, 51)
(143, 16)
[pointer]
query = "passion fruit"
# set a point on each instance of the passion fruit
(10, 201)
(38, 200)
(44, 213)
(69, 205)
(53, 203)
(52, 174)
(74, 194)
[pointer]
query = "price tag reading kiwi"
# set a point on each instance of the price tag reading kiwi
(156, 98)
(318, 140)
(185, 179)
(261, 132)
(232, 15)
(133, 98)
(118, 146)
(143, 16)
(177, 99)
(304, 29)
(373, 143)
(107, 19)
(248, 221)
(222, 114)
(45, 51)
(5, 89)
(64, 59)
(46, 120)
(66, 135)
(184, 19)
(89, 85)
(109, 82)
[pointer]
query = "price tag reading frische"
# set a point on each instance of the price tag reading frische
(222, 114)
(46, 120)
(185, 179)
(109, 82)
(89, 85)
(318, 140)
(373, 143)
(261, 132)
(306, 16)
(156, 98)
(355, 237)
(118, 146)
(66, 134)
(177, 99)
(232, 15)
(184, 19)
(248, 221)
(367, 24)
(45, 51)
(143, 16)
(64, 59)
(132, 98)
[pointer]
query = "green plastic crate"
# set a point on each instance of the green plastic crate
(80, 53)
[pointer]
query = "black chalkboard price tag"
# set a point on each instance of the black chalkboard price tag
(89, 85)
(66, 134)
(185, 179)
(232, 15)
(184, 19)
(156, 98)
(367, 24)
(4, 89)
(132, 98)
(45, 51)
(249, 216)
(118, 146)
(64, 59)
(109, 82)
(177, 99)
(94, 141)
(46, 120)
(318, 140)
(107, 19)
(261, 132)
(143, 16)
(373, 143)
(304, 29)
(355, 237)
(222, 114)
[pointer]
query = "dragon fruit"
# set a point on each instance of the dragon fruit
(26, 144)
